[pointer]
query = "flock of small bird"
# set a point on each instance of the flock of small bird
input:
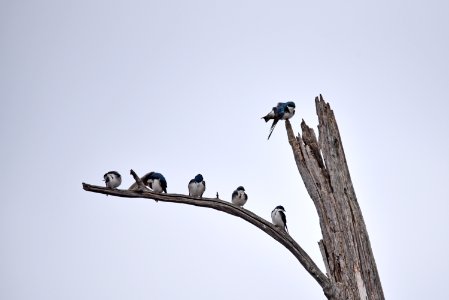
(158, 184)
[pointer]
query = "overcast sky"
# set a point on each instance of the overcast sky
(179, 87)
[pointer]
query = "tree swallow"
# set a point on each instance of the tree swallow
(156, 182)
(197, 186)
(239, 196)
(112, 179)
(283, 111)
(278, 217)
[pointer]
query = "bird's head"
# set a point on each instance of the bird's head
(280, 207)
(240, 188)
(149, 178)
(111, 174)
(291, 104)
(115, 173)
(199, 178)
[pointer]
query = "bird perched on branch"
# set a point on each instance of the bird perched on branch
(239, 197)
(278, 217)
(155, 181)
(112, 179)
(197, 186)
(283, 111)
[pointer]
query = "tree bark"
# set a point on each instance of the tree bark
(345, 246)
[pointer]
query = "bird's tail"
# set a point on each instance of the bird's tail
(272, 128)
(266, 118)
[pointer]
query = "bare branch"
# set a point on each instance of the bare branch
(139, 185)
(282, 237)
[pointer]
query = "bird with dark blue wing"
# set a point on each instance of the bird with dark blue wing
(283, 111)
(197, 186)
(239, 197)
(112, 179)
(278, 217)
(155, 181)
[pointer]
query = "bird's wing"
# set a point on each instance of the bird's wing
(163, 184)
(234, 194)
(204, 183)
(281, 111)
(161, 180)
(271, 115)
(283, 217)
(160, 176)
(189, 186)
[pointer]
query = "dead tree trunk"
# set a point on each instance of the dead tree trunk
(351, 269)
(345, 246)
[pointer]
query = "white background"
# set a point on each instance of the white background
(179, 87)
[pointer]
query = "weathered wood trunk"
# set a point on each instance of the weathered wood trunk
(345, 245)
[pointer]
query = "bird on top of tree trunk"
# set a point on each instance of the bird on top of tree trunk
(283, 111)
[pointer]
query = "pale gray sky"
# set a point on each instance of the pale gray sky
(179, 87)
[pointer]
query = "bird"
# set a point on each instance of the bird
(112, 179)
(197, 186)
(155, 181)
(278, 217)
(239, 197)
(283, 111)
